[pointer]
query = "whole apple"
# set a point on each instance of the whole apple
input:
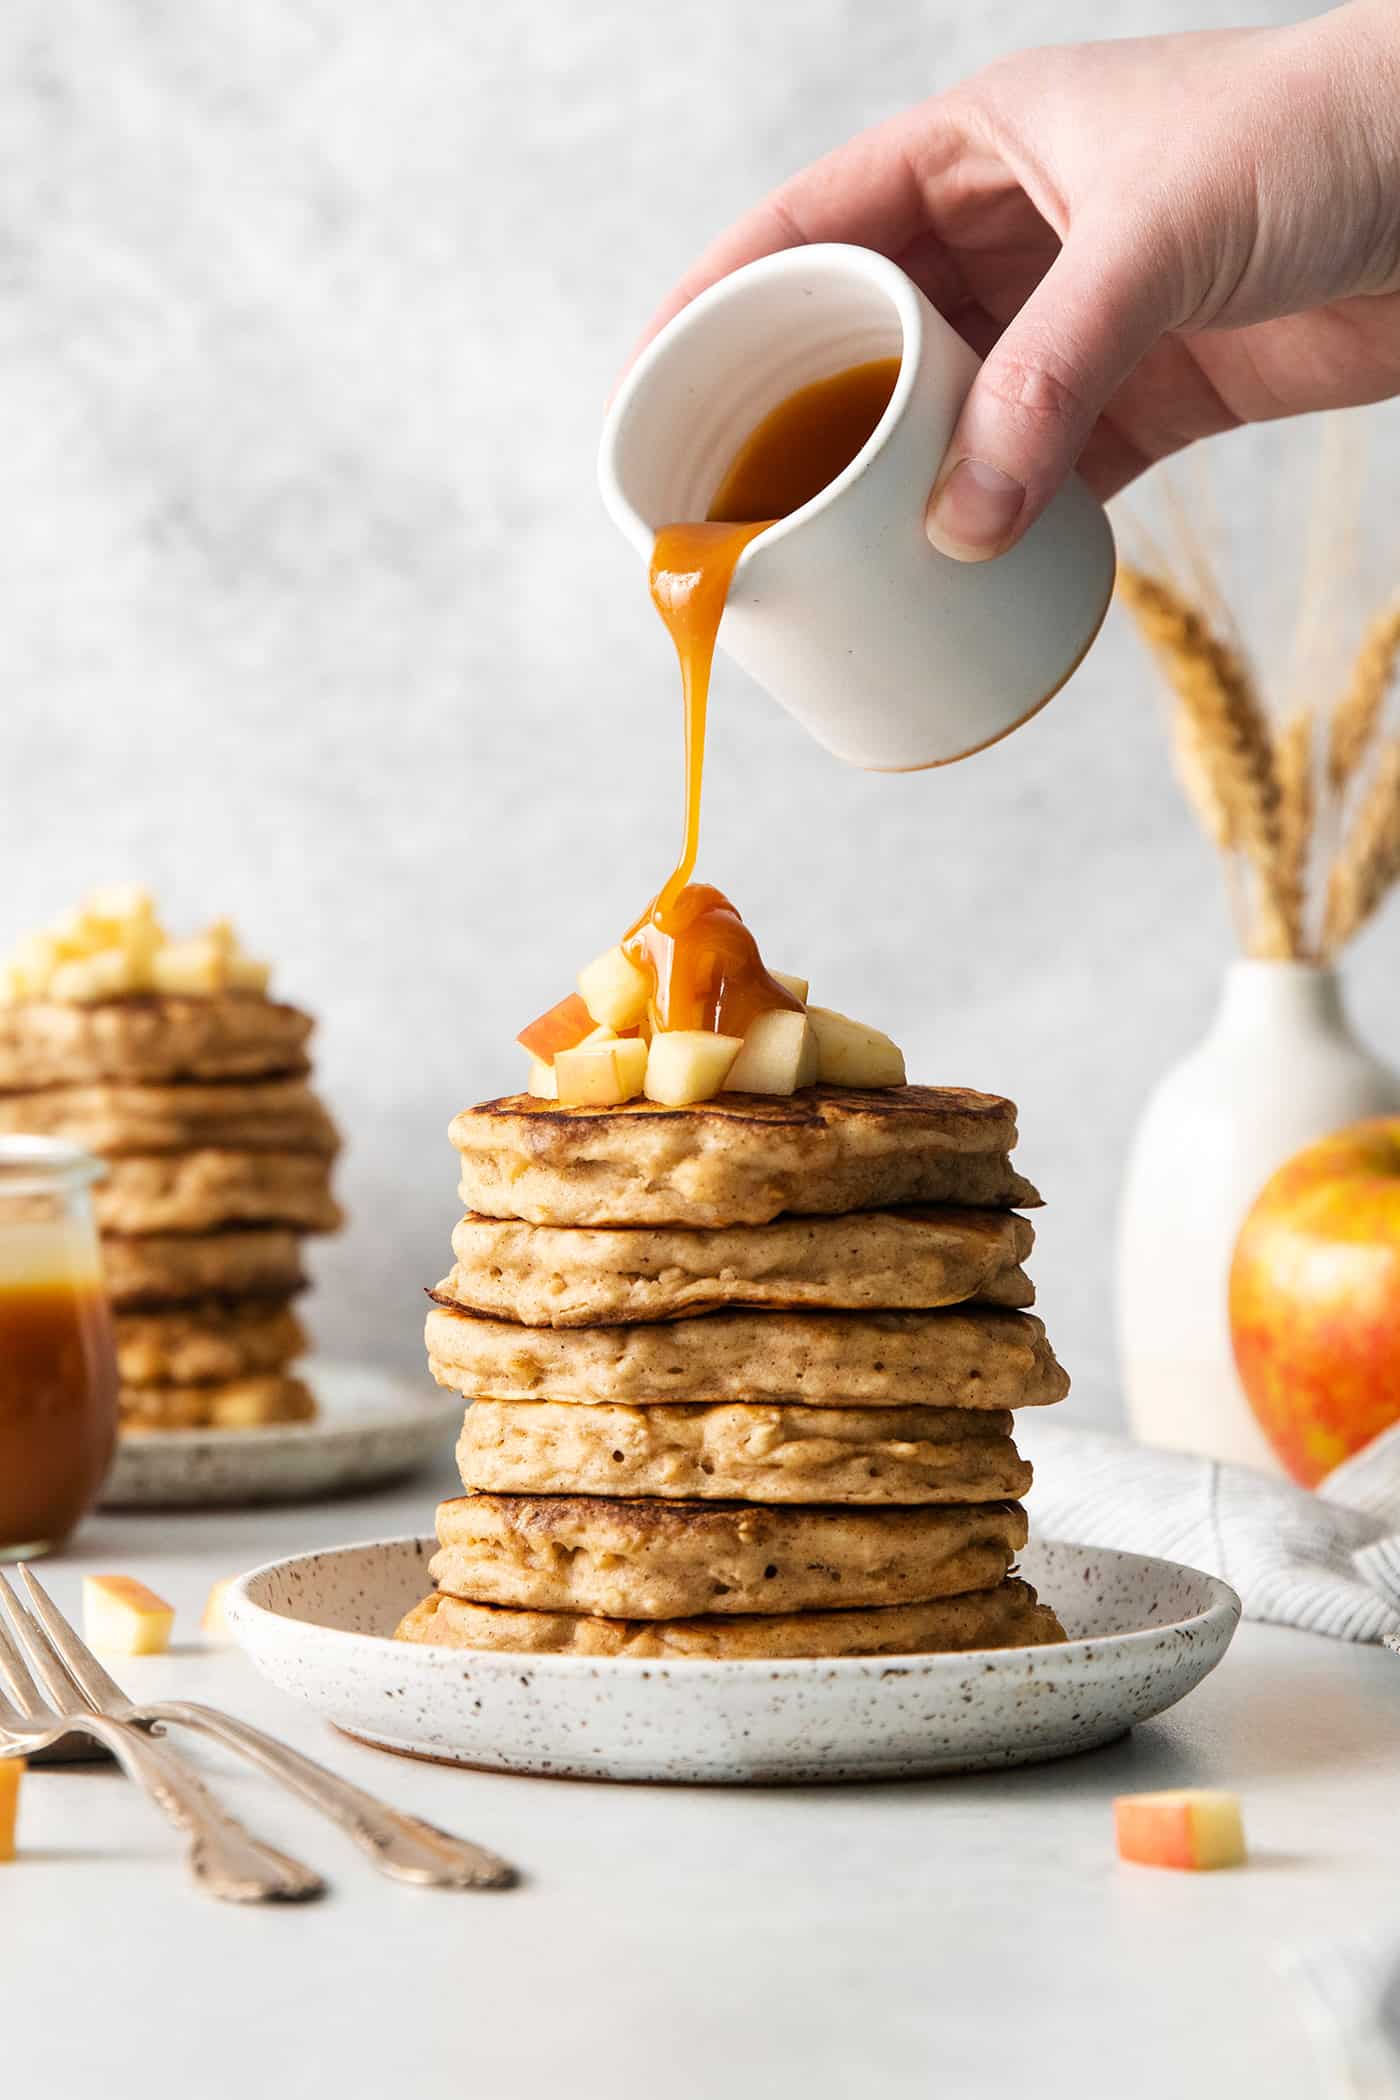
(1315, 1299)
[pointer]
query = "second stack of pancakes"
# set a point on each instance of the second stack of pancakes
(218, 1161)
(741, 1378)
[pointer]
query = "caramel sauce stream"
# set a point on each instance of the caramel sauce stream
(703, 963)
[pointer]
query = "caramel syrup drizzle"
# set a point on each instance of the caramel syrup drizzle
(702, 961)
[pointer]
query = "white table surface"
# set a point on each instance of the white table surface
(970, 1937)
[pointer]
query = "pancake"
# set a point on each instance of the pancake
(264, 1115)
(740, 1159)
(1005, 1617)
(168, 1269)
(209, 1343)
(673, 1560)
(741, 1452)
(238, 1403)
(973, 1356)
(229, 1035)
(200, 1191)
(547, 1276)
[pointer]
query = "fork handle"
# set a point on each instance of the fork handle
(226, 1860)
(400, 1845)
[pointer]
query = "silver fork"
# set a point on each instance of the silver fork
(225, 1859)
(403, 1846)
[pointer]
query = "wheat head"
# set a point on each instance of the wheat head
(1369, 862)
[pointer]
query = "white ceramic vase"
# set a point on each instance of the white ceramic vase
(1279, 1068)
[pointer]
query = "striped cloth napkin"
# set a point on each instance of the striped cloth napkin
(1327, 1561)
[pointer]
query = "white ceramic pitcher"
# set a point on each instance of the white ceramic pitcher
(893, 655)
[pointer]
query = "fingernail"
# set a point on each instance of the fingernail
(974, 510)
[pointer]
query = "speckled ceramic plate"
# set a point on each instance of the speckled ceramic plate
(372, 1427)
(1143, 1633)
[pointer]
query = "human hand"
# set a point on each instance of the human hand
(1147, 241)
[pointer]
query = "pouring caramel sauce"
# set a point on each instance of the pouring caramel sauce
(702, 962)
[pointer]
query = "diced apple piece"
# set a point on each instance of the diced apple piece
(119, 902)
(689, 1064)
(796, 985)
(614, 990)
(194, 968)
(1193, 1828)
(542, 1082)
(213, 1623)
(86, 980)
(850, 1054)
(779, 1055)
(601, 1034)
(11, 1774)
(563, 1026)
(601, 1075)
(124, 1617)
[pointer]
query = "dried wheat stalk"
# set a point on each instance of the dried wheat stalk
(1230, 732)
(1369, 862)
(1198, 784)
(1357, 713)
(1293, 759)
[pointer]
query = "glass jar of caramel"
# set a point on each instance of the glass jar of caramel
(58, 1372)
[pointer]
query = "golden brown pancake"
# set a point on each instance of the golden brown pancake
(201, 1191)
(672, 1560)
(547, 1276)
(265, 1115)
(742, 1452)
(965, 1356)
(230, 1035)
(171, 1269)
(207, 1343)
(1005, 1617)
(740, 1159)
(236, 1403)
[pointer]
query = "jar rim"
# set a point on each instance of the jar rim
(29, 1165)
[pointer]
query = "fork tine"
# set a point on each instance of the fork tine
(29, 1699)
(42, 1659)
(101, 1692)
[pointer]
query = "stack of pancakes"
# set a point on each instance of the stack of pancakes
(218, 1161)
(741, 1378)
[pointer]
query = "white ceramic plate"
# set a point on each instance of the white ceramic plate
(372, 1427)
(1144, 1632)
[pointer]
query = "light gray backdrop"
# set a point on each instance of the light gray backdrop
(309, 612)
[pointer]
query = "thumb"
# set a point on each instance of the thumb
(1089, 322)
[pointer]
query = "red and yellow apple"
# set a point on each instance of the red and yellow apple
(1315, 1299)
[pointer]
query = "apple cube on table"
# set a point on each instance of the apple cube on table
(601, 1075)
(614, 990)
(1196, 1829)
(850, 1054)
(685, 1065)
(779, 1055)
(213, 1623)
(123, 1617)
(11, 1773)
